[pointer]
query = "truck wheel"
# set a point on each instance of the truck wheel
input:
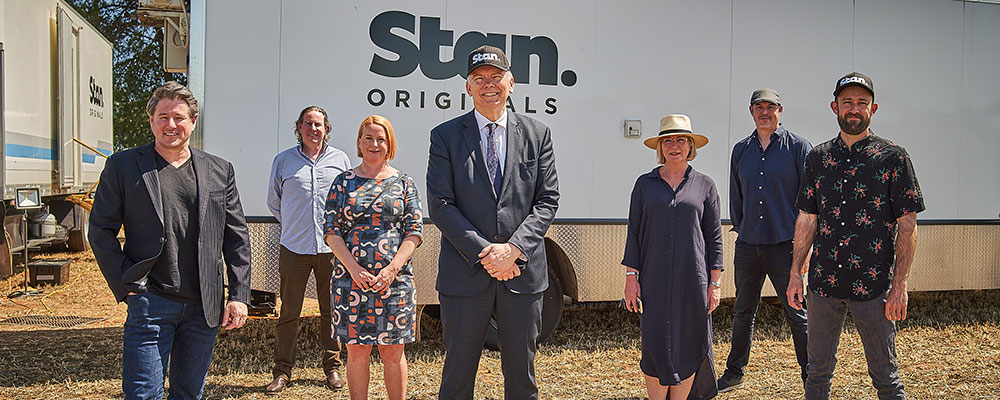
(78, 241)
(6, 264)
(433, 311)
(552, 305)
(78, 237)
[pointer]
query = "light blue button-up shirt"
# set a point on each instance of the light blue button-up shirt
(297, 195)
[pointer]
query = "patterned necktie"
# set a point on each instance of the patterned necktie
(492, 160)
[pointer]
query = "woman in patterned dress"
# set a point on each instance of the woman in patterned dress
(673, 260)
(373, 225)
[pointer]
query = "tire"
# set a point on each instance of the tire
(433, 311)
(552, 306)
(78, 241)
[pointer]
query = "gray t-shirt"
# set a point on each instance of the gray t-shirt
(175, 274)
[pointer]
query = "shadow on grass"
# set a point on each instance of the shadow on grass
(952, 308)
(92, 354)
(595, 327)
(33, 357)
(604, 325)
(924, 310)
(251, 349)
(214, 391)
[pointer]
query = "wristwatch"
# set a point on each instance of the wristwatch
(715, 283)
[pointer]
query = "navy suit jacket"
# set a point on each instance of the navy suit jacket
(470, 216)
(129, 196)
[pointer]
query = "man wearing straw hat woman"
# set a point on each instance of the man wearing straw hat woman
(673, 264)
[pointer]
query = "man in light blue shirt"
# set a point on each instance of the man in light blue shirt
(300, 182)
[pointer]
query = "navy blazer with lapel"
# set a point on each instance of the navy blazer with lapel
(129, 195)
(470, 217)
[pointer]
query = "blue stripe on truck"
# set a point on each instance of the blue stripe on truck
(92, 158)
(43, 153)
(20, 150)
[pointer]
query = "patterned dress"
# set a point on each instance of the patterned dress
(373, 317)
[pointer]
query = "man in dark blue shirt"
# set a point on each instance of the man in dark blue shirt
(765, 173)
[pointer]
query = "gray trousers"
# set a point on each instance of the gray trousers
(878, 336)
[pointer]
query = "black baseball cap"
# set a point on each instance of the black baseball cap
(488, 55)
(765, 94)
(855, 79)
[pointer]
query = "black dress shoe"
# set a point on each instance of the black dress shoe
(277, 385)
(334, 381)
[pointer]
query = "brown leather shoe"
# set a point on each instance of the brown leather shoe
(277, 385)
(334, 381)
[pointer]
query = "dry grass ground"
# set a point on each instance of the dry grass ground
(948, 349)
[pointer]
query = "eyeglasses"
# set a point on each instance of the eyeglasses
(481, 80)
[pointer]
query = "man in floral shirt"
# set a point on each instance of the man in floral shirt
(858, 206)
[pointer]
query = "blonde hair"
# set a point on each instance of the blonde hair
(659, 148)
(390, 136)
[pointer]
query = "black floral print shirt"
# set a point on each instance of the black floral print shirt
(857, 194)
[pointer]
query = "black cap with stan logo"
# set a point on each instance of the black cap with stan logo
(855, 79)
(488, 55)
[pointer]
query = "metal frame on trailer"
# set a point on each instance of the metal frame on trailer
(595, 249)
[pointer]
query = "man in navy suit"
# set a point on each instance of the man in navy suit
(493, 193)
(184, 228)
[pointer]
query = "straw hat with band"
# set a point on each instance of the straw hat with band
(676, 125)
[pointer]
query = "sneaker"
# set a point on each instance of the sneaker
(728, 382)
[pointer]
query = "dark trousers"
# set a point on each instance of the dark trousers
(294, 269)
(751, 264)
(878, 336)
(464, 321)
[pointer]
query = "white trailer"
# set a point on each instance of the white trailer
(55, 86)
(601, 74)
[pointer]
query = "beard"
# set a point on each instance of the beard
(853, 128)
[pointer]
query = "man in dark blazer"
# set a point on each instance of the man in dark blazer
(493, 192)
(184, 228)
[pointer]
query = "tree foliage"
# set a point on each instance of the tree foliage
(137, 66)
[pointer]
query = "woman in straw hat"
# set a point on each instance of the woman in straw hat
(673, 260)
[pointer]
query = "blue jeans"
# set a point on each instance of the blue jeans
(751, 264)
(160, 331)
(878, 336)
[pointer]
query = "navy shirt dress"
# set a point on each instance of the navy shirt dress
(674, 240)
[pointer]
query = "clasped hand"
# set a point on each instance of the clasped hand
(498, 260)
(375, 282)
